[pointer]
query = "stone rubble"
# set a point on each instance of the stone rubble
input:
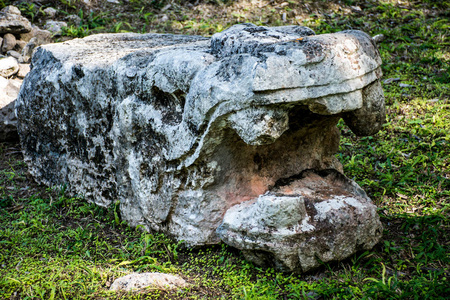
(228, 139)
(42, 36)
(18, 40)
(9, 89)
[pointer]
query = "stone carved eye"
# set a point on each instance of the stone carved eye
(171, 105)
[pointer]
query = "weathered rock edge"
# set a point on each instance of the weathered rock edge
(181, 128)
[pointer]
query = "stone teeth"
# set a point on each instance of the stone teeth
(289, 232)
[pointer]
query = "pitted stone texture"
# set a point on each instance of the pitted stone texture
(136, 281)
(249, 38)
(179, 132)
(314, 216)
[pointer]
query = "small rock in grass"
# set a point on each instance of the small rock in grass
(74, 19)
(166, 7)
(137, 281)
(378, 38)
(55, 27)
(390, 80)
(164, 18)
(50, 12)
(313, 295)
(405, 85)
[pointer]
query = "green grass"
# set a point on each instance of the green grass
(57, 247)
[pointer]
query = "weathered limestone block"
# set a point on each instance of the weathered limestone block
(194, 135)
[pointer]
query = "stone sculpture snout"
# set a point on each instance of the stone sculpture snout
(231, 138)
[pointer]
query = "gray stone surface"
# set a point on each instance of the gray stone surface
(180, 129)
(137, 281)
